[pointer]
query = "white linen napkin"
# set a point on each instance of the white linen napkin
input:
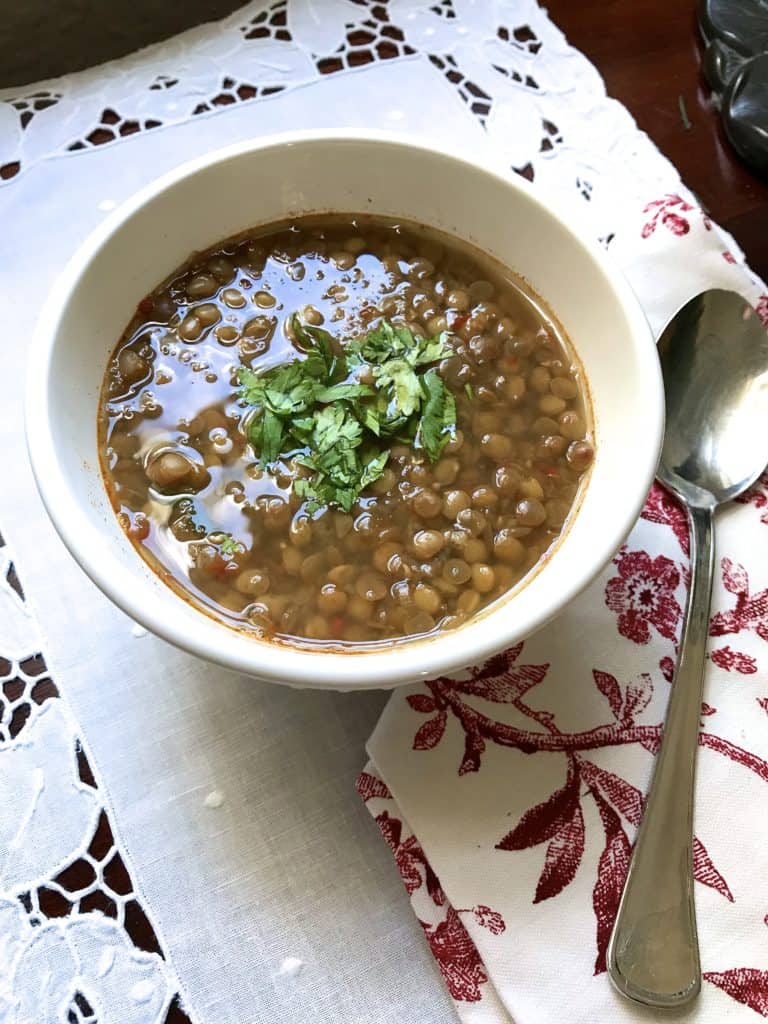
(510, 796)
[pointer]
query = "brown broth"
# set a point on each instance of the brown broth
(428, 545)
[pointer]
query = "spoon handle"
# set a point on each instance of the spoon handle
(653, 954)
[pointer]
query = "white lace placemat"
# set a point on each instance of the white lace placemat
(266, 889)
(75, 942)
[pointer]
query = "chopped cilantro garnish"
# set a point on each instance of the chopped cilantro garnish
(228, 546)
(439, 409)
(336, 410)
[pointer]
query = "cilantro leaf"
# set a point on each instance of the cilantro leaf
(302, 428)
(321, 362)
(402, 388)
(369, 417)
(228, 546)
(382, 343)
(336, 429)
(336, 392)
(271, 436)
(252, 386)
(439, 415)
(430, 350)
(318, 410)
(387, 342)
(374, 467)
(346, 497)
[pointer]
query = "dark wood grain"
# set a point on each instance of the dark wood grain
(649, 54)
(39, 39)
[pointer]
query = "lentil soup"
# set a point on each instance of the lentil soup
(453, 429)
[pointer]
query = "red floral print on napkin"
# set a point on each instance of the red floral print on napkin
(368, 786)
(559, 820)
(734, 661)
(750, 611)
(667, 667)
(663, 508)
(670, 212)
(757, 495)
(643, 595)
(457, 957)
(745, 985)
(410, 858)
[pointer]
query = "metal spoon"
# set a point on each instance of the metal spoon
(714, 358)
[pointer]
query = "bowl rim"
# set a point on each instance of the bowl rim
(281, 663)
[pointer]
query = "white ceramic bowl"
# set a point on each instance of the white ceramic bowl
(226, 192)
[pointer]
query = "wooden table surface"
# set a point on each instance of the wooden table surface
(649, 53)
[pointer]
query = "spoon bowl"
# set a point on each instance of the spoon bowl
(714, 359)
